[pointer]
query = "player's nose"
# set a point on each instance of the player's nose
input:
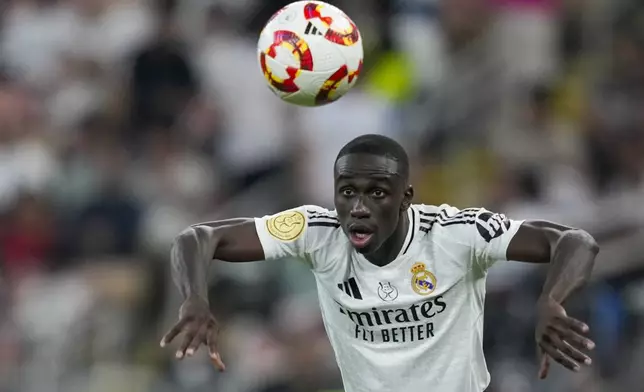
(359, 210)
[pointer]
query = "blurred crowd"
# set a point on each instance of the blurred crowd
(124, 121)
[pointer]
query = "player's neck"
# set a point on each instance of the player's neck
(390, 249)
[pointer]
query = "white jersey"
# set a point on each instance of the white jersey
(415, 324)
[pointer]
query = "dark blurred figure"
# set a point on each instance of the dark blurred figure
(109, 223)
(108, 226)
(163, 80)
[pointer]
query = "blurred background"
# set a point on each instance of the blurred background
(124, 121)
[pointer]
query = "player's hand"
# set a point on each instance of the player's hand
(560, 338)
(198, 326)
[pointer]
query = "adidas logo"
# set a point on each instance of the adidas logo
(350, 287)
(311, 30)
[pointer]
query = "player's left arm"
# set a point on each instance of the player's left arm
(571, 254)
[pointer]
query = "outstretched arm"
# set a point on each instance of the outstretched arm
(234, 240)
(278, 236)
(571, 254)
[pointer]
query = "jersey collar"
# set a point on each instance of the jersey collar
(405, 249)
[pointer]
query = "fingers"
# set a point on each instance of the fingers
(189, 336)
(558, 356)
(174, 331)
(217, 362)
(200, 337)
(563, 342)
(570, 351)
(194, 336)
(196, 332)
(574, 324)
(213, 351)
(544, 366)
(572, 337)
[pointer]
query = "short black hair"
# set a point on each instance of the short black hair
(378, 145)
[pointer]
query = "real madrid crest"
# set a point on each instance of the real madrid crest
(423, 282)
(287, 226)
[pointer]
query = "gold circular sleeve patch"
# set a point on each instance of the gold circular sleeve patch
(287, 226)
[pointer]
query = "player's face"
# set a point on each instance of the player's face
(370, 196)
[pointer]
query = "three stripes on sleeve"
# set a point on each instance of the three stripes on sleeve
(463, 217)
(322, 219)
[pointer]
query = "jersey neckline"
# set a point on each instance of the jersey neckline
(409, 238)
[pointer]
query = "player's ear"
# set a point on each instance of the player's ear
(407, 198)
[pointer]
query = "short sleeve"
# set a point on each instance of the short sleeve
(492, 233)
(486, 235)
(294, 233)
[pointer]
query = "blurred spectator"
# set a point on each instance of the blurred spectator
(41, 33)
(36, 35)
(616, 142)
(91, 143)
(527, 39)
(28, 159)
(108, 31)
(258, 139)
(166, 177)
(107, 225)
(543, 152)
(27, 238)
(163, 79)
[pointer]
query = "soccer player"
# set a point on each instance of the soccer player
(401, 286)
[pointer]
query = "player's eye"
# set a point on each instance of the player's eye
(347, 192)
(378, 193)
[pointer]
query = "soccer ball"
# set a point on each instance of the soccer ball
(310, 53)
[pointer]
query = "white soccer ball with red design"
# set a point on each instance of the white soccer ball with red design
(310, 53)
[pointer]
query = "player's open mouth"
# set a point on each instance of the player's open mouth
(360, 236)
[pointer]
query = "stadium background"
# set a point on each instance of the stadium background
(123, 121)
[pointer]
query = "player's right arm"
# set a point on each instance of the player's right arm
(191, 252)
(235, 240)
